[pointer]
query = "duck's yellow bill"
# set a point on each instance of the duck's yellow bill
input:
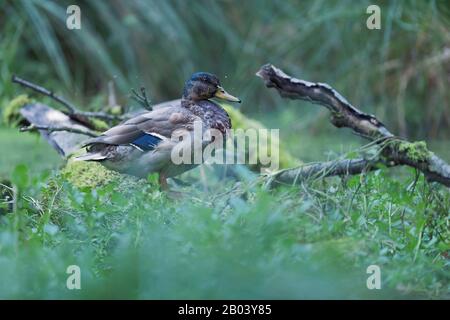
(222, 94)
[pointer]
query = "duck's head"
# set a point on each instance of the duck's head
(204, 86)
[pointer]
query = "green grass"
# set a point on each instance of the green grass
(313, 241)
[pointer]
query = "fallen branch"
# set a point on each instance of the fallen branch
(49, 129)
(343, 167)
(394, 151)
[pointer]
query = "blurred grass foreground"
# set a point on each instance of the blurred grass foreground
(222, 241)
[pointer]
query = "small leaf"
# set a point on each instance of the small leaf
(20, 176)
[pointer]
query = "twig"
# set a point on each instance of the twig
(6, 187)
(27, 84)
(395, 151)
(111, 95)
(80, 130)
(14, 199)
(142, 99)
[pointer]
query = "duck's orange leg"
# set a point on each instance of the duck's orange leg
(163, 182)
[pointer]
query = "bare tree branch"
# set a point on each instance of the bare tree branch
(342, 167)
(73, 112)
(27, 84)
(394, 150)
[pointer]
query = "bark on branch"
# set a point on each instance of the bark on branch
(394, 151)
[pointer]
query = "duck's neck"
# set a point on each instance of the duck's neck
(212, 114)
(187, 103)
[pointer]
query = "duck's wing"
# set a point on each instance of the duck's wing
(145, 131)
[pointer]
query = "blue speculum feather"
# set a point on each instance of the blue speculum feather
(147, 142)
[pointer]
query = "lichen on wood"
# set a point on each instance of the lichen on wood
(416, 151)
(11, 113)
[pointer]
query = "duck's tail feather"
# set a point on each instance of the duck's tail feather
(97, 156)
(96, 152)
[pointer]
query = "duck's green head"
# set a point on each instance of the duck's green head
(204, 86)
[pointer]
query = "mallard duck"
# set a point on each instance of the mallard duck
(143, 144)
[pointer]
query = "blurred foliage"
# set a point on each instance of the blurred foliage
(314, 241)
(240, 121)
(29, 149)
(399, 72)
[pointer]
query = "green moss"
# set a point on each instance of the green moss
(11, 113)
(100, 125)
(240, 121)
(89, 174)
(416, 151)
(116, 110)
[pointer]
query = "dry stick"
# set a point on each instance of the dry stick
(343, 114)
(80, 130)
(72, 110)
(112, 101)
